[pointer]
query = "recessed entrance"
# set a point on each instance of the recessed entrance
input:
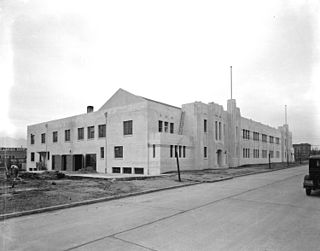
(219, 158)
(78, 162)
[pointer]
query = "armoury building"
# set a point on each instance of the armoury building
(130, 134)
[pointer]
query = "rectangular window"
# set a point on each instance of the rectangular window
(160, 126)
(171, 151)
(180, 149)
(116, 170)
(205, 125)
(246, 134)
(166, 124)
(43, 138)
(184, 151)
(127, 127)
(32, 156)
(278, 154)
(118, 151)
(153, 151)
(127, 170)
(90, 132)
(219, 130)
(32, 139)
(205, 154)
(270, 139)
(102, 131)
(277, 140)
(216, 129)
(102, 152)
(67, 135)
(264, 138)
(80, 133)
(138, 170)
(264, 154)
(55, 136)
(171, 127)
(175, 151)
(256, 136)
(271, 154)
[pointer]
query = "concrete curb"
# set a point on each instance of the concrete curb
(87, 202)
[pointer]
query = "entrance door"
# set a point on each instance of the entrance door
(78, 161)
(91, 161)
(219, 158)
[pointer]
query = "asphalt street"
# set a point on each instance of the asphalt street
(268, 211)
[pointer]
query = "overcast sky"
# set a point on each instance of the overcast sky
(57, 57)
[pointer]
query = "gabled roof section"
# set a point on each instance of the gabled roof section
(121, 98)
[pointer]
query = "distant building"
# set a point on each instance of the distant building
(302, 151)
(13, 155)
(133, 134)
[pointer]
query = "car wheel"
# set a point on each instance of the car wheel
(308, 191)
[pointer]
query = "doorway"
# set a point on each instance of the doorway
(219, 158)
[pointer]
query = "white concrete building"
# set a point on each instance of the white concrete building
(132, 134)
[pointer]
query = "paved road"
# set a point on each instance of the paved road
(267, 211)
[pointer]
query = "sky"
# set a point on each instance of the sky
(57, 57)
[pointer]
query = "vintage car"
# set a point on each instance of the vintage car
(312, 181)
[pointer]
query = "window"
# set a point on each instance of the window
(118, 151)
(256, 153)
(32, 139)
(171, 127)
(180, 148)
(127, 170)
(256, 136)
(127, 127)
(116, 170)
(102, 131)
(264, 138)
(102, 152)
(205, 125)
(48, 155)
(43, 138)
(171, 151)
(175, 151)
(138, 170)
(153, 150)
(67, 135)
(246, 134)
(184, 151)
(216, 129)
(166, 124)
(277, 140)
(54, 136)
(264, 153)
(246, 153)
(278, 154)
(80, 133)
(270, 139)
(90, 132)
(271, 154)
(205, 154)
(32, 156)
(219, 130)
(160, 125)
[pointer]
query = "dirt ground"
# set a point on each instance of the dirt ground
(53, 188)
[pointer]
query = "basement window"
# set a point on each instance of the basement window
(127, 170)
(116, 170)
(138, 170)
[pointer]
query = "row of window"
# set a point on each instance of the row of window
(128, 170)
(218, 128)
(256, 137)
(264, 153)
(163, 126)
(67, 134)
(177, 150)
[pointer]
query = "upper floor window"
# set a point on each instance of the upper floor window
(171, 127)
(160, 126)
(102, 131)
(270, 139)
(67, 135)
(246, 134)
(43, 138)
(90, 132)
(219, 130)
(166, 125)
(80, 133)
(55, 136)
(205, 125)
(256, 136)
(118, 151)
(32, 139)
(277, 140)
(264, 138)
(127, 127)
(216, 129)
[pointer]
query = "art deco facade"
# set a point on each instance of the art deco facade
(132, 134)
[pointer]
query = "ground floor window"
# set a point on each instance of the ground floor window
(118, 151)
(264, 153)
(102, 152)
(115, 169)
(278, 154)
(127, 170)
(138, 170)
(32, 156)
(205, 153)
